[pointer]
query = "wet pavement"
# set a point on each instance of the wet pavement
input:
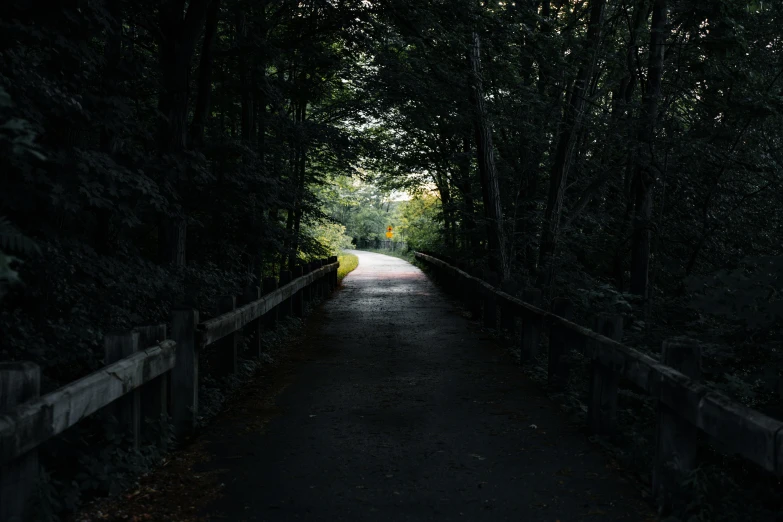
(403, 410)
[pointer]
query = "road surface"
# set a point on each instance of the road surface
(404, 411)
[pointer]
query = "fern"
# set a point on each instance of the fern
(14, 241)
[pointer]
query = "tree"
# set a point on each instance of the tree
(647, 163)
(485, 157)
(566, 142)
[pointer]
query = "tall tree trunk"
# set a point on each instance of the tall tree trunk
(622, 117)
(442, 184)
(645, 172)
(485, 155)
(466, 189)
(300, 182)
(204, 82)
(179, 29)
(565, 146)
(544, 67)
(262, 85)
(108, 142)
(245, 85)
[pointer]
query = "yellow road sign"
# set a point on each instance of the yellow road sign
(389, 234)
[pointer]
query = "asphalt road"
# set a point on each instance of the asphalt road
(402, 412)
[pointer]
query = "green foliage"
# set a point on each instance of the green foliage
(330, 237)
(17, 139)
(748, 296)
(363, 208)
(420, 225)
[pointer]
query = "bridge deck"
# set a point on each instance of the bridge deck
(404, 412)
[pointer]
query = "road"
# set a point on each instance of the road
(405, 411)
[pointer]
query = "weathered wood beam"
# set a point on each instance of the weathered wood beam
(226, 324)
(36, 421)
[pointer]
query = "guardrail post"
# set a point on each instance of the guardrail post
(297, 301)
(491, 302)
(154, 394)
(474, 301)
(531, 327)
(463, 292)
(226, 348)
(19, 383)
(285, 306)
(602, 401)
(127, 409)
(316, 286)
(327, 279)
(253, 330)
(270, 318)
(676, 438)
(184, 375)
(558, 344)
(436, 273)
(450, 281)
(507, 315)
(333, 259)
(320, 286)
(306, 269)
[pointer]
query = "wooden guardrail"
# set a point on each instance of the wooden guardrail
(685, 405)
(154, 382)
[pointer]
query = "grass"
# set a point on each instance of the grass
(348, 263)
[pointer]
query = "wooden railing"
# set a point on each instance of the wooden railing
(147, 377)
(685, 405)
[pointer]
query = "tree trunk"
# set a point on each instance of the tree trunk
(204, 85)
(179, 28)
(565, 146)
(298, 170)
(645, 175)
(108, 142)
(247, 109)
(300, 190)
(485, 155)
(622, 118)
(446, 204)
(465, 187)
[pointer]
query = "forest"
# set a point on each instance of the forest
(626, 154)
